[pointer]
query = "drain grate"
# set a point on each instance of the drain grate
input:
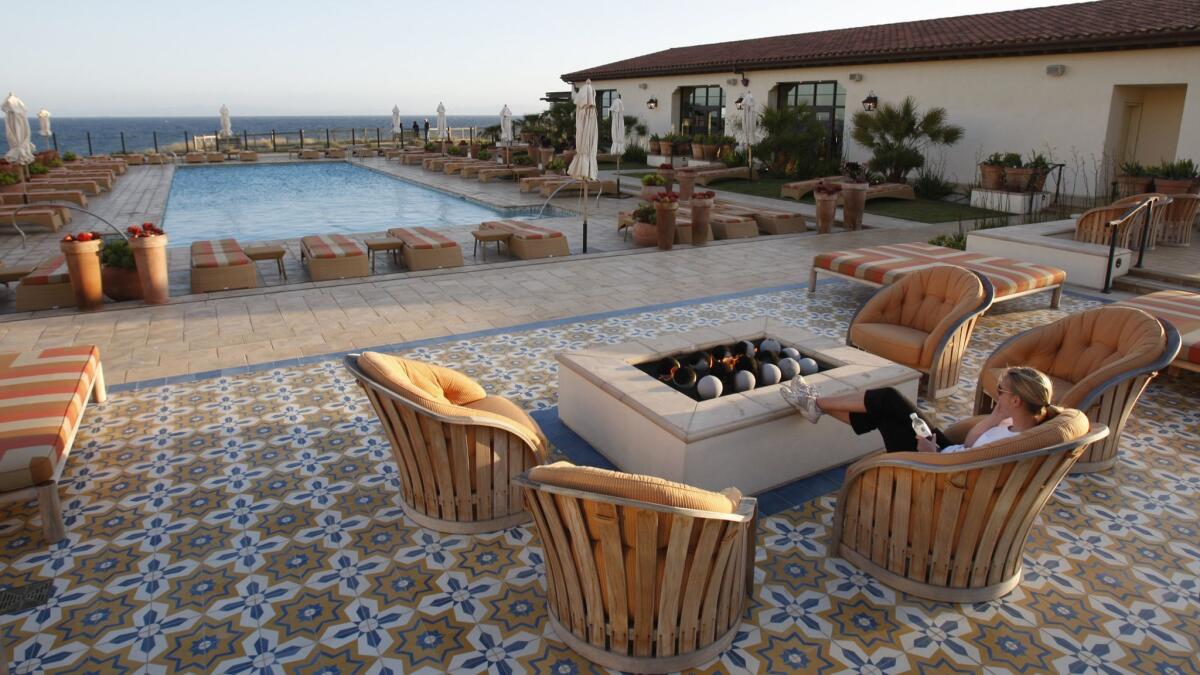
(22, 598)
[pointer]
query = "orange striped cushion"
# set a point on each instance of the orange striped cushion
(42, 396)
(218, 253)
(1182, 309)
(422, 237)
(885, 264)
(332, 246)
(51, 271)
(521, 229)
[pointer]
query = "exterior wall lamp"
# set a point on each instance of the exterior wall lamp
(652, 103)
(871, 102)
(741, 101)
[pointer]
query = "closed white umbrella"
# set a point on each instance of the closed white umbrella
(396, 128)
(441, 125)
(506, 125)
(16, 129)
(617, 111)
(587, 137)
(749, 120)
(44, 122)
(226, 125)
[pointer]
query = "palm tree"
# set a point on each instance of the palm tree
(791, 140)
(898, 136)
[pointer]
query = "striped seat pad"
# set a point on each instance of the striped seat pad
(521, 229)
(51, 271)
(42, 396)
(885, 264)
(327, 246)
(422, 237)
(218, 253)
(1182, 309)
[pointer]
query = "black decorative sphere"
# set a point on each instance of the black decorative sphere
(685, 378)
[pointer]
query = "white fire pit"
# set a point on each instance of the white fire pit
(751, 440)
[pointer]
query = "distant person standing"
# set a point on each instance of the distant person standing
(416, 130)
(426, 129)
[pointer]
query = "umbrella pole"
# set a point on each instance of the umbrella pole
(618, 175)
(585, 202)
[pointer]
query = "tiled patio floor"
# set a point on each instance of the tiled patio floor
(251, 524)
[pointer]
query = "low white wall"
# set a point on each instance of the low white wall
(1084, 263)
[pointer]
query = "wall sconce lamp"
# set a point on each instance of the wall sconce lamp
(745, 80)
(739, 102)
(652, 103)
(871, 102)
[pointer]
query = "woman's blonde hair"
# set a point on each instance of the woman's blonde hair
(1031, 386)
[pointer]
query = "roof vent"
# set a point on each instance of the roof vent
(1056, 70)
(732, 81)
(856, 77)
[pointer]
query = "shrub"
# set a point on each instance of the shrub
(1012, 160)
(733, 158)
(8, 178)
(653, 179)
(1038, 161)
(792, 140)
(854, 172)
(1132, 169)
(115, 252)
(456, 150)
(556, 164)
(484, 154)
(431, 147)
(956, 240)
(522, 160)
(898, 135)
(931, 184)
(69, 156)
(645, 213)
(1181, 169)
(37, 169)
(994, 159)
(634, 154)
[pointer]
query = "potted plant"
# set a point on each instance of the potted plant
(82, 253)
(666, 146)
(1016, 175)
(556, 166)
(667, 171)
(665, 206)
(726, 145)
(1170, 178)
(485, 155)
(681, 144)
(1133, 179)
(1041, 169)
(522, 159)
(118, 270)
(652, 185)
(698, 146)
(645, 229)
(69, 156)
(854, 194)
(826, 196)
(149, 245)
(991, 172)
(701, 203)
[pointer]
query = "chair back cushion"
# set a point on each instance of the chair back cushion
(1068, 425)
(641, 488)
(421, 381)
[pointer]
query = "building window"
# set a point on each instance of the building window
(702, 110)
(604, 101)
(828, 102)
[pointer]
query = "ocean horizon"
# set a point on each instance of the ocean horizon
(134, 134)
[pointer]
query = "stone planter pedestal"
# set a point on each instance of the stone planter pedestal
(664, 213)
(854, 200)
(826, 212)
(150, 253)
(701, 232)
(83, 264)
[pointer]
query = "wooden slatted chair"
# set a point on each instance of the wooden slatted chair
(1179, 219)
(1095, 225)
(1154, 218)
(1099, 361)
(952, 527)
(924, 320)
(457, 448)
(643, 575)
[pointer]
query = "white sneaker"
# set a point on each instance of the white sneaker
(802, 397)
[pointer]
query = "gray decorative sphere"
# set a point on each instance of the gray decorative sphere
(743, 381)
(808, 366)
(770, 345)
(709, 387)
(768, 374)
(788, 368)
(791, 352)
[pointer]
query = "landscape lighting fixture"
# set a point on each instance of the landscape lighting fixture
(652, 104)
(870, 102)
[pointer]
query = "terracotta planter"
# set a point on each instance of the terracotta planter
(649, 192)
(543, 155)
(683, 149)
(567, 156)
(83, 264)
(854, 200)
(1172, 186)
(701, 232)
(826, 212)
(687, 183)
(1127, 186)
(669, 175)
(1017, 179)
(150, 253)
(645, 234)
(991, 176)
(1037, 181)
(697, 151)
(121, 284)
(665, 215)
(665, 148)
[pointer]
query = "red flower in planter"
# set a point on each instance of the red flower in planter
(705, 194)
(824, 188)
(665, 198)
(84, 236)
(666, 165)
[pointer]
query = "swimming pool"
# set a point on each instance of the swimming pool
(282, 201)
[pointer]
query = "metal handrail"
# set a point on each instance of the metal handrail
(1112, 238)
(65, 205)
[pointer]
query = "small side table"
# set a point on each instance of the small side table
(489, 235)
(384, 244)
(275, 253)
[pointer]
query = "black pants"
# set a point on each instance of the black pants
(888, 413)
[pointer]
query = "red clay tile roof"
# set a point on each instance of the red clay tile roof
(1103, 25)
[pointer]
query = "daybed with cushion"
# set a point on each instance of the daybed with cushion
(642, 575)
(708, 176)
(47, 216)
(36, 194)
(221, 265)
(216, 157)
(335, 153)
(594, 187)
(798, 189)
(531, 183)
(43, 395)
(87, 185)
(924, 321)
(195, 157)
(723, 225)
(530, 241)
(890, 191)
(1099, 361)
(104, 178)
(248, 156)
(458, 449)
(48, 286)
(309, 154)
(519, 172)
(953, 527)
(879, 265)
(333, 256)
(770, 221)
(1182, 310)
(417, 157)
(426, 249)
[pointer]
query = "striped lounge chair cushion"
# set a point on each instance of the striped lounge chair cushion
(42, 396)
(885, 264)
(218, 253)
(52, 271)
(326, 246)
(422, 237)
(1182, 309)
(523, 230)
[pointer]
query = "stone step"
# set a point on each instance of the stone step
(1142, 285)
(1146, 273)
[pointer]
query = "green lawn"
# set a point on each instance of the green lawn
(919, 210)
(612, 166)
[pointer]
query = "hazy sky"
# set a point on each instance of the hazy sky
(118, 57)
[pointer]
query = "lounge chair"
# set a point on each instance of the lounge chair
(438, 162)
(9, 274)
(366, 151)
(216, 157)
(1179, 219)
(414, 158)
(309, 154)
(709, 176)
(157, 158)
(45, 393)
(457, 448)
(46, 216)
(426, 249)
(953, 527)
(531, 241)
(451, 168)
(48, 286)
(1182, 309)
(104, 179)
(1100, 361)
(924, 321)
(472, 170)
(533, 183)
(723, 225)
(135, 159)
(333, 256)
(221, 265)
(770, 221)
(642, 574)
(33, 195)
(594, 187)
(878, 265)
(85, 185)
(248, 156)
(519, 172)
(890, 191)
(195, 157)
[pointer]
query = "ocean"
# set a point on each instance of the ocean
(141, 133)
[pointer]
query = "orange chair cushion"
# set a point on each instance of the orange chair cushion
(1068, 425)
(498, 405)
(435, 383)
(895, 343)
(641, 488)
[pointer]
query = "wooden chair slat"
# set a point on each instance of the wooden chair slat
(612, 551)
(979, 501)
(897, 543)
(697, 581)
(645, 576)
(460, 462)
(674, 568)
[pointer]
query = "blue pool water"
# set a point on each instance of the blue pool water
(281, 201)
